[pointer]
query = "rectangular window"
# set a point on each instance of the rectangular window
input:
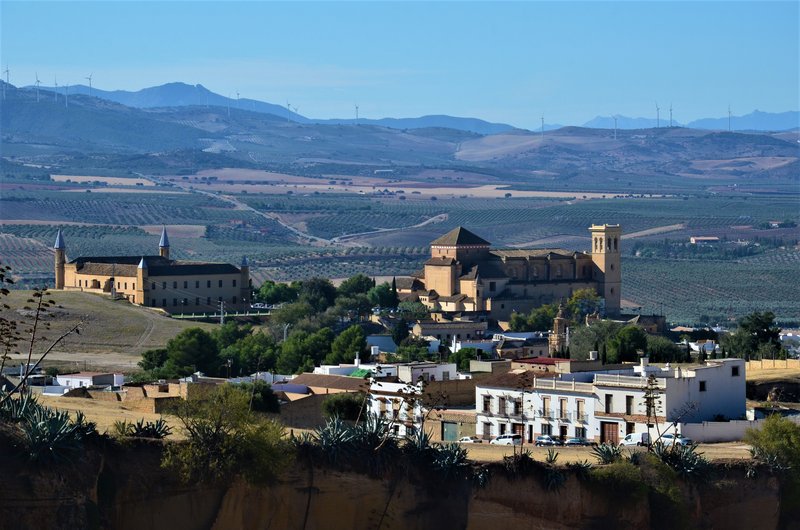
(174, 302)
(163, 302)
(517, 407)
(153, 286)
(502, 428)
(487, 403)
(609, 403)
(581, 410)
(580, 432)
(501, 405)
(734, 371)
(185, 284)
(628, 404)
(233, 300)
(196, 301)
(220, 283)
(487, 429)
(562, 408)
(118, 284)
(174, 285)
(702, 386)
(547, 428)
(545, 407)
(79, 283)
(163, 285)
(208, 284)
(133, 286)
(197, 284)
(492, 286)
(208, 301)
(126, 286)
(234, 283)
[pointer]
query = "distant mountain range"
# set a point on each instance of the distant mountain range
(181, 94)
(755, 121)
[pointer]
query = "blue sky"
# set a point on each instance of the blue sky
(501, 61)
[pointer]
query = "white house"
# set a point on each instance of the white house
(399, 403)
(87, 379)
(426, 371)
(604, 406)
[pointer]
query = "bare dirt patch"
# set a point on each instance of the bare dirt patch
(176, 230)
(654, 231)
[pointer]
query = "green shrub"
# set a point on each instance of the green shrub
(607, 453)
(347, 406)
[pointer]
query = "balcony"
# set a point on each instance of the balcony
(581, 417)
(564, 417)
(546, 414)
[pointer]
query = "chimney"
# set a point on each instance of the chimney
(643, 362)
(592, 355)
(374, 351)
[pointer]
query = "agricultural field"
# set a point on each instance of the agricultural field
(382, 234)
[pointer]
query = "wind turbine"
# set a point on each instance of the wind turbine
(356, 114)
(4, 86)
(237, 100)
(55, 89)
(542, 126)
(66, 95)
(658, 116)
(89, 77)
(37, 87)
(615, 127)
(729, 118)
(670, 115)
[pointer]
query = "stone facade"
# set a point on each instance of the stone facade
(465, 275)
(156, 281)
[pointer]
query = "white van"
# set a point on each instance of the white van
(636, 438)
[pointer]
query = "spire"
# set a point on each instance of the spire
(164, 243)
(59, 245)
(142, 264)
(244, 262)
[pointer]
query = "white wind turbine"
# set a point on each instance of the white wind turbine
(37, 87)
(89, 77)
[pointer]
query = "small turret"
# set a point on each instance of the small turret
(163, 245)
(140, 286)
(60, 259)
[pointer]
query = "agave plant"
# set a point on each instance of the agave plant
(685, 460)
(122, 428)
(17, 409)
(552, 456)
(50, 436)
(418, 446)
(335, 439)
(607, 453)
(450, 460)
(152, 429)
(581, 469)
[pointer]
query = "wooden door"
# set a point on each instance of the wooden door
(609, 433)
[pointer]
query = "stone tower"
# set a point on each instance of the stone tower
(141, 283)
(606, 240)
(61, 259)
(558, 337)
(163, 245)
(244, 282)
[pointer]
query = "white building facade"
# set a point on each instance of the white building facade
(604, 406)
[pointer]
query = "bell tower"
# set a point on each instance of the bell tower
(61, 258)
(606, 241)
(163, 245)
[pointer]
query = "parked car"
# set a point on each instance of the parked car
(546, 439)
(507, 439)
(636, 438)
(579, 442)
(676, 439)
(470, 440)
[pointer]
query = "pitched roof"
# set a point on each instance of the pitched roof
(459, 236)
(164, 243)
(337, 382)
(59, 244)
(156, 265)
(440, 260)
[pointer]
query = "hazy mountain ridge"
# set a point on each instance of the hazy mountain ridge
(178, 94)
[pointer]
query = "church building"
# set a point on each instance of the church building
(464, 275)
(156, 281)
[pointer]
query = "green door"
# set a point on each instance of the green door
(449, 431)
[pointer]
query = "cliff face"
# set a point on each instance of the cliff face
(127, 489)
